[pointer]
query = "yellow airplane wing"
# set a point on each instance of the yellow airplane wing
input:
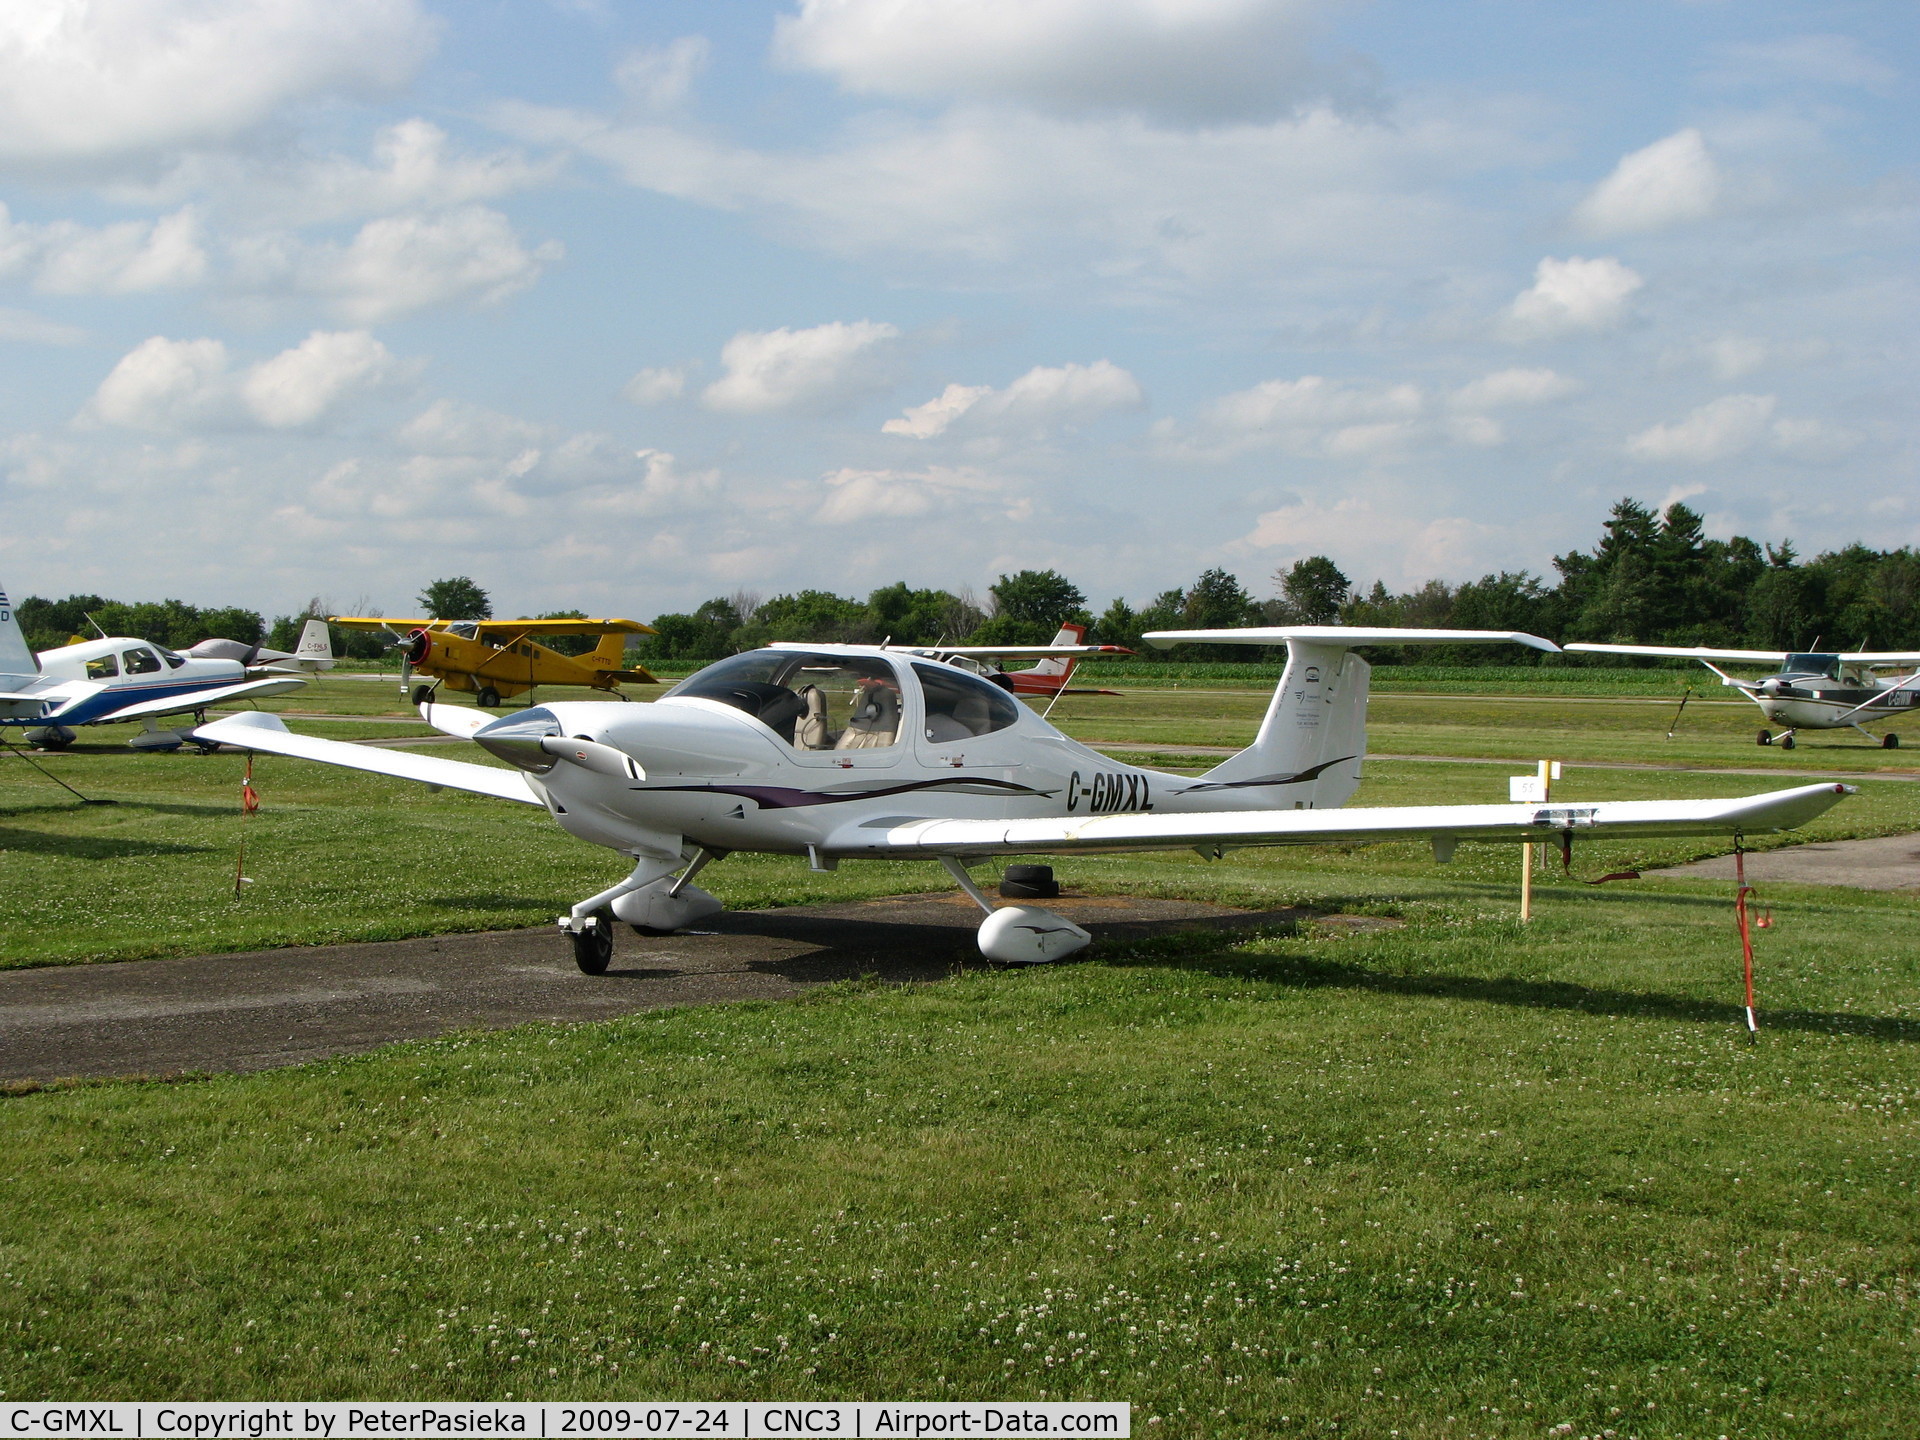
(486, 629)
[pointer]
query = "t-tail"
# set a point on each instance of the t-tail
(16, 657)
(1315, 730)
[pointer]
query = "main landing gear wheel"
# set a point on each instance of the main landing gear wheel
(1766, 738)
(422, 694)
(487, 698)
(1786, 742)
(1889, 742)
(593, 946)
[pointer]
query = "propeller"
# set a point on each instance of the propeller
(592, 755)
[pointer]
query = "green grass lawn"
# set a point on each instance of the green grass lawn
(1463, 1178)
(1458, 1179)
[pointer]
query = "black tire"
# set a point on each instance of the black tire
(487, 698)
(593, 947)
(1766, 738)
(1029, 882)
(58, 738)
(1786, 742)
(1889, 742)
(422, 694)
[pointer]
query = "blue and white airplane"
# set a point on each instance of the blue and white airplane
(113, 680)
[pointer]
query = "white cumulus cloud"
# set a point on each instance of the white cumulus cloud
(94, 81)
(1714, 431)
(1571, 295)
(164, 384)
(1046, 395)
(124, 258)
(1195, 60)
(1670, 181)
(1309, 416)
(656, 385)
(855, 495)
(771, 370)
(1513, 387)
(298, 386)
(402, 263)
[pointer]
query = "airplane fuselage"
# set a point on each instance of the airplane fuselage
(90, 683)
(722, 778)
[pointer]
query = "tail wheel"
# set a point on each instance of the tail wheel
(593, 946)
(487, 698)
(1889, 742)
(1766, 738)
(1786, 742)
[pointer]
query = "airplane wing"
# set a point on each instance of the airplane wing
(978, 652)
(1014, 652)
(260, 731)
(1218, 832)
(1342, 635)
(1685, 652)
(201, 699)
(376, 622)
(485, 628)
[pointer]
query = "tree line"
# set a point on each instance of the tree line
(1653, 578)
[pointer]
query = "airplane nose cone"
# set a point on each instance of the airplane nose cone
(516, 738)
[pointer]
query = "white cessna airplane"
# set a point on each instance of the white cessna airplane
(865, 752)
(1810, 691)
(114, 679)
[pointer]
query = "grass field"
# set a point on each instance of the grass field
(1463, 1178)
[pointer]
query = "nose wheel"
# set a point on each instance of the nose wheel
(593, 945)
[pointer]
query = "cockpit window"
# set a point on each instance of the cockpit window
(1827, 665)
(104, 668)
(141, 662)
(960, 705)
(465, 629)
(174, 662)
(813, 701)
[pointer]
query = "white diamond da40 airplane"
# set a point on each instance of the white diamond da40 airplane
(856, 752)
(1810, 691)
(119, 678)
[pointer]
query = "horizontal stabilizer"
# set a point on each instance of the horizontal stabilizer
(1607, 819)
(268, 733)
(1342, 635)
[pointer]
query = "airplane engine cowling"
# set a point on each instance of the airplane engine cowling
(419, 648)
(651, 908)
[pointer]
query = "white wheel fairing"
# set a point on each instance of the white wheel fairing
(1028, 935)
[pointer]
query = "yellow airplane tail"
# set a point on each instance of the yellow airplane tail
(610, 655)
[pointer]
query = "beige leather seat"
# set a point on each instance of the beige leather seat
(810, 732)
(875, 722)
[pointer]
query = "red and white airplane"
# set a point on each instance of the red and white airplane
(1047, 679)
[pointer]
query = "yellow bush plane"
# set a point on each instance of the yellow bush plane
(491, 659)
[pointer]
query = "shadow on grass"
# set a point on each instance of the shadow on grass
(1308, 973)
(90, 847)
(494, 902)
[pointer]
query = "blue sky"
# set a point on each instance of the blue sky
(623, 306)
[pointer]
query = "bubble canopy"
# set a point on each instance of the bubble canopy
(846, 700)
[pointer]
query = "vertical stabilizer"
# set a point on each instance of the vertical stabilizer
(1060, 666)
(315, 650)
(15, 657)
(1315, 733)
